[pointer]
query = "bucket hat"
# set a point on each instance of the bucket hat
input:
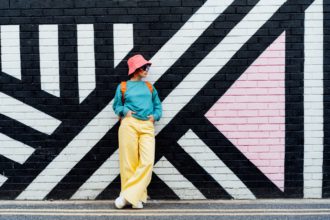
(135, 62)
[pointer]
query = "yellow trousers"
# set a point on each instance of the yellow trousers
(136, 157)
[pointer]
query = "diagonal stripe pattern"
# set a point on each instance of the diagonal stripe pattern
(106, 119)
(14, 150)
(236, 37)
(181, 186)
(214, 166)
(27, 115)
(160, 60)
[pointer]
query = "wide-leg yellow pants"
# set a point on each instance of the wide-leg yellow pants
(136, 140)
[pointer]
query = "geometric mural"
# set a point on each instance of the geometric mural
(243, 86)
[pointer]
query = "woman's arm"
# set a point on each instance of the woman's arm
(157, 105)
(118, 106)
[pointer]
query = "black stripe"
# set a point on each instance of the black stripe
(106, 78)
(29, 47)
(68, 59)
(326, 99)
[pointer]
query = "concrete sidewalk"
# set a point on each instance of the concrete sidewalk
(169, 209)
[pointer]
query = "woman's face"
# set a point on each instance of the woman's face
(143, 72)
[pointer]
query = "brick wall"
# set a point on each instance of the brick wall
(243, 84)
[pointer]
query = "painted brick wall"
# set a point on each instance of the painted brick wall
(244, 86)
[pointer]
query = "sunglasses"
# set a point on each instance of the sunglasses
(146, 68)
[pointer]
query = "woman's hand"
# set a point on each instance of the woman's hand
(129, 113)
(151, 118)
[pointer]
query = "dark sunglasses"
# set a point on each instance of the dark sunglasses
(145, 68)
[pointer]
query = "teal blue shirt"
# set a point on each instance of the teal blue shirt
(139, 99)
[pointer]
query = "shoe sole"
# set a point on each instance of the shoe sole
(119, 207)
(137, 207)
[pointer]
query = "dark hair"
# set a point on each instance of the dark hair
(130, 76)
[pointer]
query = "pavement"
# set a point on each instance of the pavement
(265, 209)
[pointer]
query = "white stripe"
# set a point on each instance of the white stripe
(122, 41)
(49, 59)
(99, 126)
(181, 186)
(100, 179)
(86, 60)
(313, 101)
(10, 50)
(185, 37)
(207, 159)
(216, 59)
(3, 179)
(14, 150)
(27, 115)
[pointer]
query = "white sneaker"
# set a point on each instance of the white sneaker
(120, 202)
(139, 205)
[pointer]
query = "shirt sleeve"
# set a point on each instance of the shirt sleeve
(157, 105)
(118, 106)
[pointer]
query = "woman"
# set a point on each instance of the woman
(139, 107)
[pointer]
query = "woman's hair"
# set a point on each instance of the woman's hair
(131, 75)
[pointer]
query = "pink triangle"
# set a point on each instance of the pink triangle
(251, 114)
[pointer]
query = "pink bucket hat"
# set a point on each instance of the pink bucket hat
(136, 62)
